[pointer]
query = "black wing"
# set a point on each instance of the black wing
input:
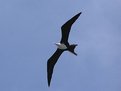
(66, 29)
(51, 63)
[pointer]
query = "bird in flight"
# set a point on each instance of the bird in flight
(61, 47)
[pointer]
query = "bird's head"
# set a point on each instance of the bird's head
(57, 44)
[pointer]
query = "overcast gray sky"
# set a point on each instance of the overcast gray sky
(29, 29)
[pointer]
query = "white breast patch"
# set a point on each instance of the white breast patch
(61, 46)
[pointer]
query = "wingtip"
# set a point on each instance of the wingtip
(49, 80)
(48, 85)
(79, 13)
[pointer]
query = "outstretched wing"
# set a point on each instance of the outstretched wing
(51, 63)
(65, 29)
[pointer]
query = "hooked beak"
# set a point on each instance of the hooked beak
(54, 43)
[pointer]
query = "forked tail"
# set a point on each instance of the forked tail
(71, 49)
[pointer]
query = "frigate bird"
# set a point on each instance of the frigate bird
(61, 47)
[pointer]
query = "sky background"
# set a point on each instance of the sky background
(29, 29)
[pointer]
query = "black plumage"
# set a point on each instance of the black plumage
(64, 40)
(66, 29)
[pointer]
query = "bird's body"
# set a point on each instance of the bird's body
(61, 47)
